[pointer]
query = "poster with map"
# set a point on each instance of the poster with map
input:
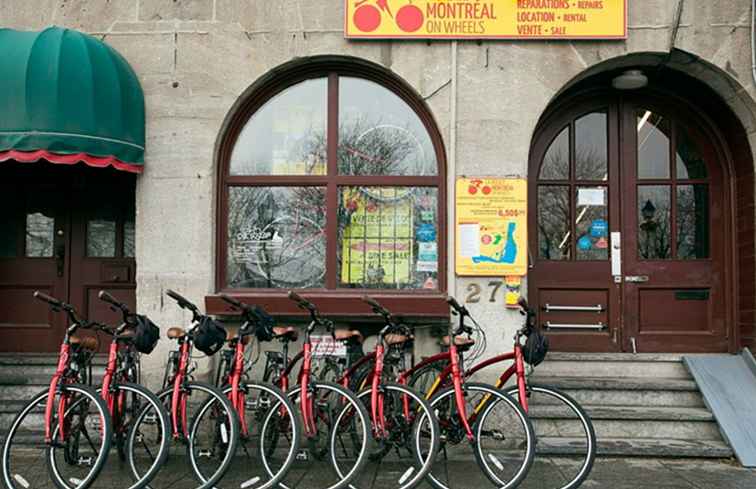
(491, 227)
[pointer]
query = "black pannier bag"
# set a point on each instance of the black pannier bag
(264, 324)
(209, 336)
(536, 347)
(146, 334)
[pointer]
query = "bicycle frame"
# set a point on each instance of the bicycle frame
(107, 382)
(455, 369)
(234, 379)
(65, 356)
(517, 368)
(178, 398)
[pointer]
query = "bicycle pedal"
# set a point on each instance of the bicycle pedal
(150, 419)
(204, 453)
(85, 461)
(303, 456)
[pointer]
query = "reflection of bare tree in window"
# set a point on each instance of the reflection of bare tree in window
(692, 222)
(374, 148)
(553, 222)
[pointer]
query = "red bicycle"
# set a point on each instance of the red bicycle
(204, 424)
(495, 426)
(563, 428)
(336, 424)
(63, 435)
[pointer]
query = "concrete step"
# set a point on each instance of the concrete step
(645, 447)
(613, 365)
(612, 422)
(626, 391)
(16, 387)
(38, 363)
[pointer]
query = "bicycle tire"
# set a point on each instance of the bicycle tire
(164, 396)
(585, 422)
(18, 481)
(364, 420)
(407, 479)
(281, 400)
(447, 395)
(425, 377)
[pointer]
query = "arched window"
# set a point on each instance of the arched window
(331, 178)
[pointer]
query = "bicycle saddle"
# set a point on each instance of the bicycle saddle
(463, 344)
(348, 334)
(175, 333)
(397, 339)
(85, 342)
(288, 333)
(245, 339)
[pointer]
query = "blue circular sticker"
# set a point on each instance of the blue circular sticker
(585, 243)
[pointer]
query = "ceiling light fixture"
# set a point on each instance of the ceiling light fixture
(630, 80)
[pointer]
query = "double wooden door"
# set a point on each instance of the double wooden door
(68, 232)
(629, 234)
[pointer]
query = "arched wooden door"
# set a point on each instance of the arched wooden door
(629, 230)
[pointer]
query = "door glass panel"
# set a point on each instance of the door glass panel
(287, 135)
(653, 145)
(692, 221)
(276, 237)
(556, 162)
(554, 222)
(654, 226)
(128, 239)
(40, 234)
(388, 237)
(101, 237)
(591, 224)
(688, 157)
(379, 134)
(591, 147)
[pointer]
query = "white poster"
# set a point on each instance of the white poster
(469, 240)
(591, 196)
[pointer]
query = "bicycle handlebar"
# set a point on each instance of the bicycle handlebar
(182, 301)
(237, 304)
(377, 307)
(49, 299)
(302, 302)
(64, 306)
(455, 305)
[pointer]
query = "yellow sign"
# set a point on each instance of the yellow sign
(485, 19)
(377, 241)
(491, 226)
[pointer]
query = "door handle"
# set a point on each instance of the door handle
(636, 278)
(60, 259)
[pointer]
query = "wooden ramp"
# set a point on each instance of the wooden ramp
(728, 384)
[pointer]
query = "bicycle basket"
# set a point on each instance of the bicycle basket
(146, 334)
(536, 347)
(264, 324)
(209, 336)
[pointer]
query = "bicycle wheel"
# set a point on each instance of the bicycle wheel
(209, 448)
(565, 434)
(426, 377)
(262, 462)
(345, 443)
(503, 444)
(405, 454)
(76, 456)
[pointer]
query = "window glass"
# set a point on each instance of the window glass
(554, 222)
(379, 134)
(692, 221)
(556, 162)
(287, 135)
(276, 237)
(688, 157)
(40, 228)
(654, 224)
(591, 224)
(653, 145)
(591, 147)
(128, 239)
(388, 237)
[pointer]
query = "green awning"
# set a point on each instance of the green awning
(66, 97)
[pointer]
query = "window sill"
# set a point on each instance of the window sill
(337, 304)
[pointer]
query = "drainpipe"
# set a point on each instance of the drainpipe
(451, 179)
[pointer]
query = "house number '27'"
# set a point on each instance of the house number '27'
(474, 290)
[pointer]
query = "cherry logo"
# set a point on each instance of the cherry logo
(367, 17)
(410, 18)
(486, 190)
(486, 239)
(472, 189)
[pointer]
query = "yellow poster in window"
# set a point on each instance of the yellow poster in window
(377, 241)
(491, 226)
(485, 19)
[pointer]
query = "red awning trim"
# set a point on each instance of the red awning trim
(69, 159)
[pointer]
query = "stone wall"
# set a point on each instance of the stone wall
(195, 57)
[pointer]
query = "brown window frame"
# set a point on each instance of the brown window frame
(332, 299)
